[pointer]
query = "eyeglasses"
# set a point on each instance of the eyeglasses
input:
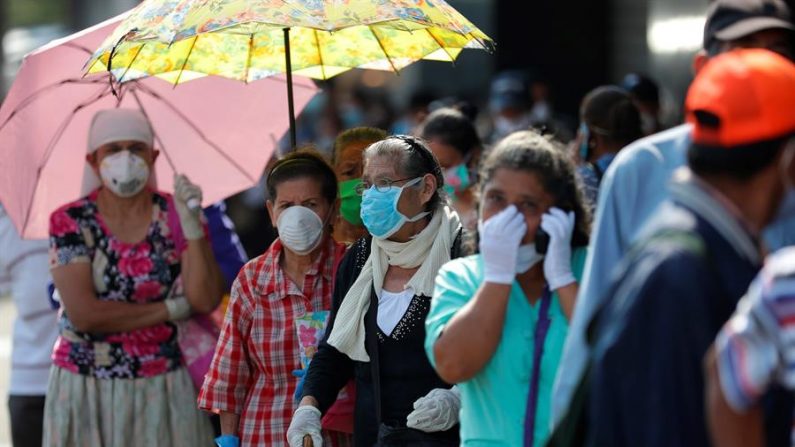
(381, 185)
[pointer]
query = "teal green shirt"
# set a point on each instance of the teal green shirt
(494, 402)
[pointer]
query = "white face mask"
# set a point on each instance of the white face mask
(124, 173)
(527, 258)
(300, 229)
(541, 112)
(504, 126)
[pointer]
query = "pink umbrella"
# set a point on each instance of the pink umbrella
(219, 132)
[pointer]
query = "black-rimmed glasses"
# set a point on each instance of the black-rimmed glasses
(381, 185)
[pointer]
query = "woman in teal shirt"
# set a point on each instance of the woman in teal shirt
(490, 311)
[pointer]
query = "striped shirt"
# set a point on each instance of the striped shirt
(756, 347)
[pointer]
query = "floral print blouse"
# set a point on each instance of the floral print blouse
(140, 272)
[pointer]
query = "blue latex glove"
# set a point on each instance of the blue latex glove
(227, 441)
(299, 390)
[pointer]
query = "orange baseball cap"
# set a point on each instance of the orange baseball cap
(742, 97)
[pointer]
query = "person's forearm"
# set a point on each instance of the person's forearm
(89, 314)
(473, 334)
(328, 373)
(112, 316)
(567, 295)
(229, 423)
(202, 277)
(727, 427)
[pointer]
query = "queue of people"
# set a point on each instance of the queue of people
(436, 290)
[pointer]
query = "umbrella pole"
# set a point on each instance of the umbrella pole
(289, 71)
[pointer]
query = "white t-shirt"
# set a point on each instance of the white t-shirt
(391, 308)
(25, 274)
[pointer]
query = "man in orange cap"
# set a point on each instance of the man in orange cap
(635, 184)
(701, 250)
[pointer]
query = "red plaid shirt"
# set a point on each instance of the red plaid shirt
(258, 348)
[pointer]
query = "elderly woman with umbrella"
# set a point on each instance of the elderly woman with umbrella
(117, 255)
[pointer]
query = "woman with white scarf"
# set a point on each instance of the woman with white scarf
(381, 297)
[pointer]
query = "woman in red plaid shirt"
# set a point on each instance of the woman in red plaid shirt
(250, 382)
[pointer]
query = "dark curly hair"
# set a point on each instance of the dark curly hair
(547, 159)
(451, 127)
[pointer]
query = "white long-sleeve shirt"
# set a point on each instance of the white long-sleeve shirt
(24, 273)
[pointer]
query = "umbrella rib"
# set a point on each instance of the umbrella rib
(320, 55)
(185, 63)
(380, 44)
(57, 136)
(128, 67)
(156, 135)
(248, 55)
(110, 62)
(452, 59)
(197, 130)
(29, 100)
(488, 46)
(77, 47)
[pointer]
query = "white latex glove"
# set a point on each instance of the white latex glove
(306, 421)
(178, 308)
(500, 237)
(557, 262)
(437, 411)
(189, 218)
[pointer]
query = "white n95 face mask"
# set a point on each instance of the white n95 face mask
(124, 173)
(527, 257)
(300, 229)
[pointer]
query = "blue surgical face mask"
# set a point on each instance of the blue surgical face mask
(457, 179)
(379, 210)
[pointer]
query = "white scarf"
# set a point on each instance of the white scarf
(429, 250)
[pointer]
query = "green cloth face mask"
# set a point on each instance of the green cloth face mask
(350, 202)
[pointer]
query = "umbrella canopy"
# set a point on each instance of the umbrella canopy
(244, 40)
(219, 132)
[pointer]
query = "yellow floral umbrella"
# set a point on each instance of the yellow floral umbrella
(247, 40)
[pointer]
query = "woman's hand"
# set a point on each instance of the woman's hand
(557, 261)
(306, 421)
(500, 237)
(186, 196)
(436, 411)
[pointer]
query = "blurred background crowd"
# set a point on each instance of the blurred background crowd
(538, 74)
(549, 56)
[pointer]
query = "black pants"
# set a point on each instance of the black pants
(389, 436)
(27, 420)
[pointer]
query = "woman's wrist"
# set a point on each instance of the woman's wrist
(309, 401)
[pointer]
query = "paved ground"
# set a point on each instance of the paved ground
(7, 313)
